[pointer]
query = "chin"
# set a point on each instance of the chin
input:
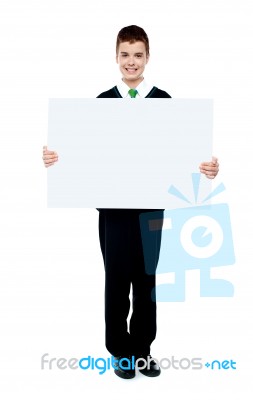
(132, 77)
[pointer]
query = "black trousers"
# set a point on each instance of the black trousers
(122, 250)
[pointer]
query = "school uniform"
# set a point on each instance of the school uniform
(121, 246)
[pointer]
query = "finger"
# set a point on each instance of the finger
(49, 165)
(206, 163)
(209, 168)
(50, 152)
(47, 162)
(209, 174)
(214, 160)
(50, 156)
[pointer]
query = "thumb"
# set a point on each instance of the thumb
(44, 148)
(214, 160)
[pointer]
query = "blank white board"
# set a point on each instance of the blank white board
(126, 153)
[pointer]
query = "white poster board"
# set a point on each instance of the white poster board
(126, 153)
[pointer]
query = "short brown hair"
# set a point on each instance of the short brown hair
(132, 34)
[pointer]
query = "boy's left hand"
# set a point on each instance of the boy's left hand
(210, 169)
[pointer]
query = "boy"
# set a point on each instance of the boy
(120, 237)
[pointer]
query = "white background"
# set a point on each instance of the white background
(51, 276)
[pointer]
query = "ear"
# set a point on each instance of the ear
(117, 61)
(147, 58)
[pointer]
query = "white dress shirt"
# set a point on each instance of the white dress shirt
(143, 89)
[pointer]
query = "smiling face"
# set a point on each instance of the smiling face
(132, 59)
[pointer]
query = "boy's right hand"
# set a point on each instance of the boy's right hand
(49, 157)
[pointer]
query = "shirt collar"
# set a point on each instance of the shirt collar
(143, 88)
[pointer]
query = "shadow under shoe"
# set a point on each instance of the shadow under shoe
(124, 367)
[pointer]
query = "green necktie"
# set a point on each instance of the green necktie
(132, 92)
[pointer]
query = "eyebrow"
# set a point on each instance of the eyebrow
(138, 53)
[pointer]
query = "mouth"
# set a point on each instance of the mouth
(131, 70)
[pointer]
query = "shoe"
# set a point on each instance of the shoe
(124, 367)
(148, 366)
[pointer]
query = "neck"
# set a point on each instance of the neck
(132, 84)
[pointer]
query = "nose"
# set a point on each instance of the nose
(131, 61)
